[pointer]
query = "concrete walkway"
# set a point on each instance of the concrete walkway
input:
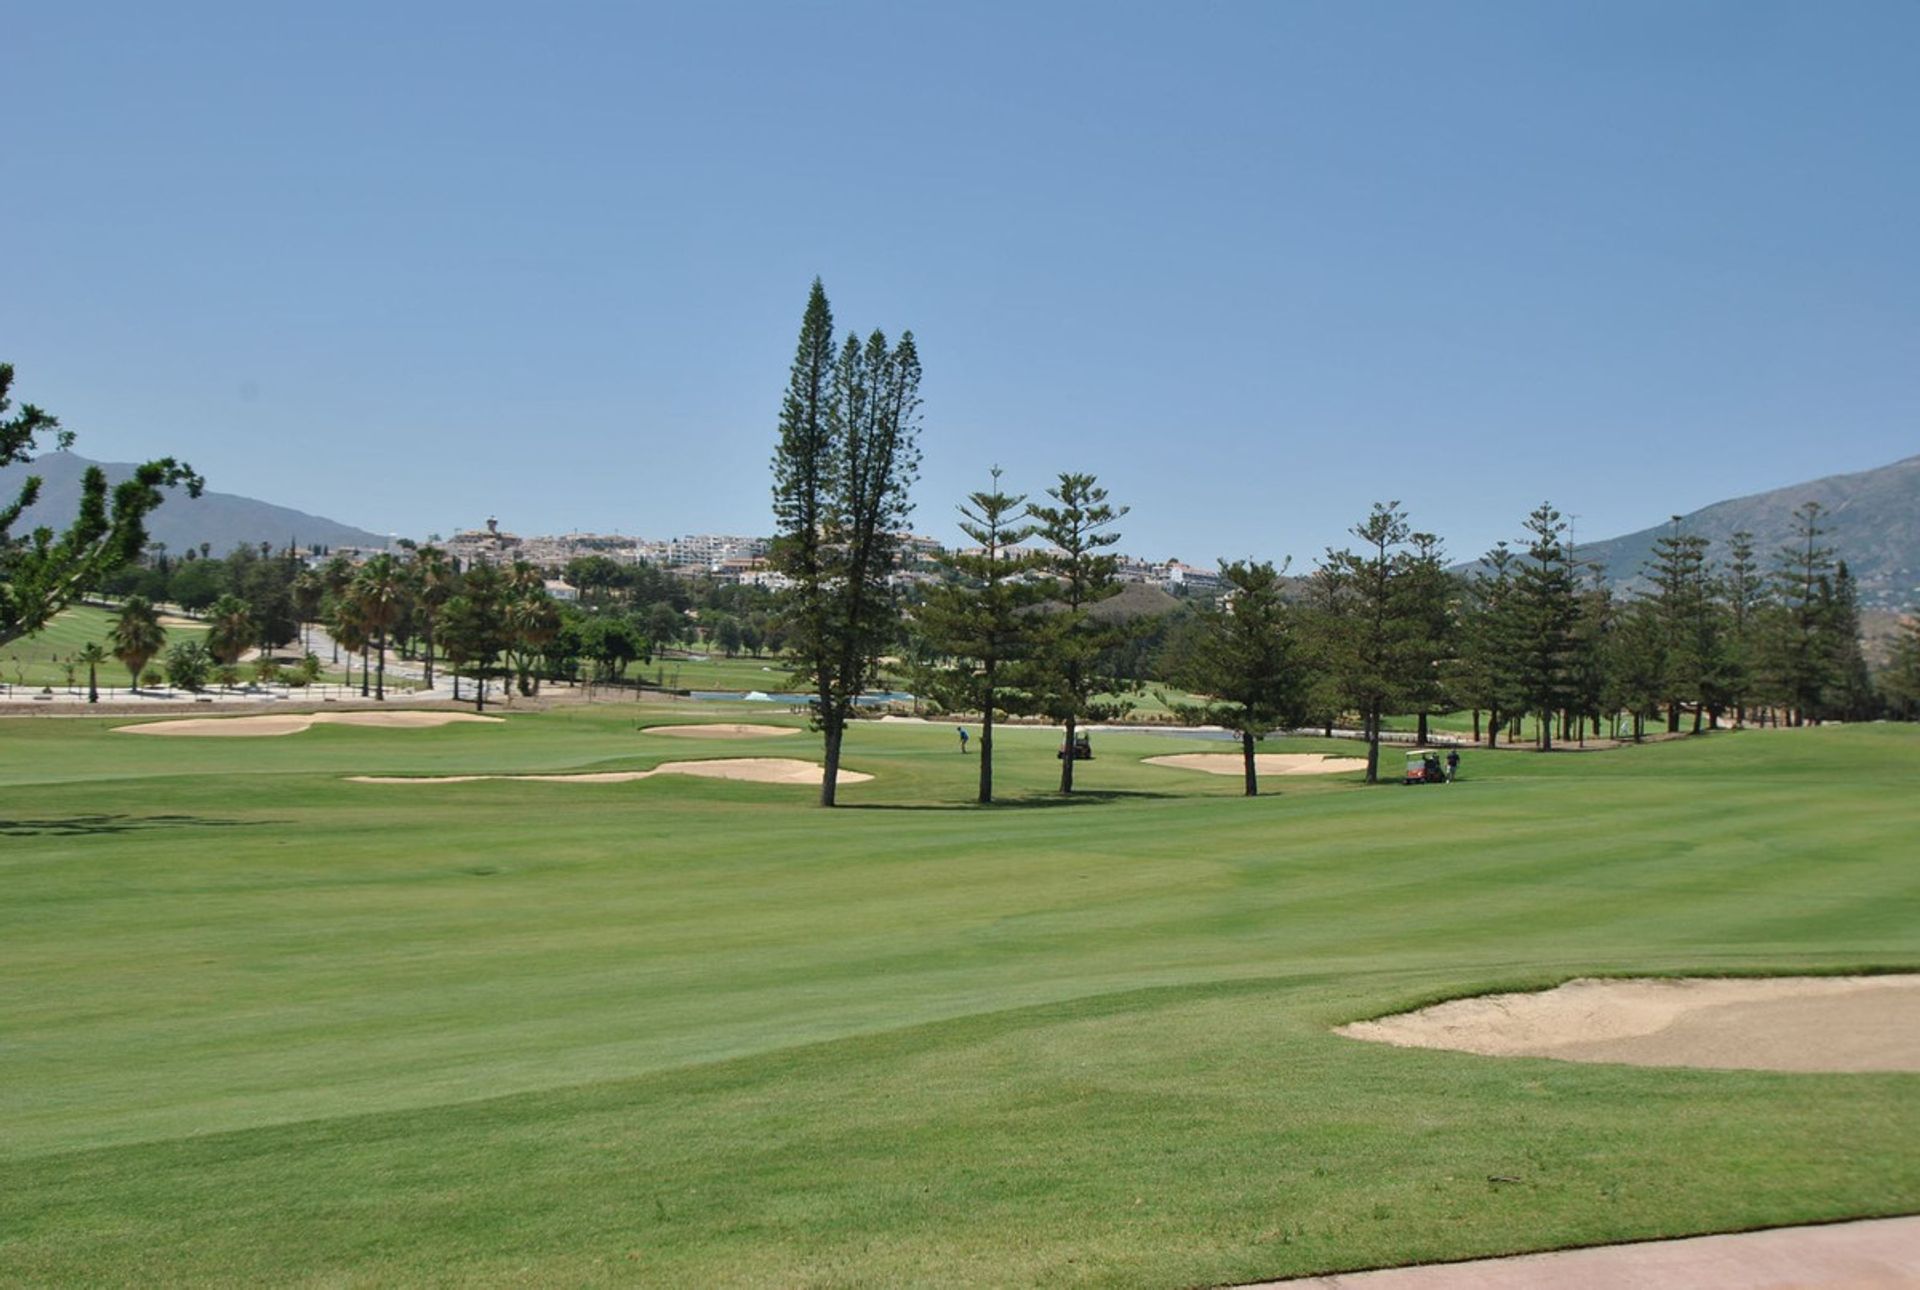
(1877, 1254)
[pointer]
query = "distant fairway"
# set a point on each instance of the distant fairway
(261, 1025)
(40, 659)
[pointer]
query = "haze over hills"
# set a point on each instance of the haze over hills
(1873, 518)
(221, 520)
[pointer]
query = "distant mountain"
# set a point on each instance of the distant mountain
(1874, 516)
(222, 520)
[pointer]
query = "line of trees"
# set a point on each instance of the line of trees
(1382, 627)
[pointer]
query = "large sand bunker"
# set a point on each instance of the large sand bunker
(1265, 763)
(721, 730)
(758, 770)
(290, 723)
(1834, 1023)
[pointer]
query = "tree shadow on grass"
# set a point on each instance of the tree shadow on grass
(1079, 797)
(76, 826)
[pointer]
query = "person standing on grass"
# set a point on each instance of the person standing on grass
(963, 738)
(1453, 764)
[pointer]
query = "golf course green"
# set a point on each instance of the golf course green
(262, 1025)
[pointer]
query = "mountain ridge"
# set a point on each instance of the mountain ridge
(220, 520)
(1872, 519)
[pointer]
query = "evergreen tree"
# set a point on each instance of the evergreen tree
(45, 571)
(1800, 649)
(1850, 693)
(1370, 645)
(1427, 603)
(1900, 683)
(1635, 681)
(979, 621)
(1680, 607)
(1742, 591)
(847, 455)
(1074, 646)
(1592, 629)
(474, 627)
(1545, 611)
(1243, 656)
(1482, 672)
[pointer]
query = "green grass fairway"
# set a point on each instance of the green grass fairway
(41, 659)
(262, 1026)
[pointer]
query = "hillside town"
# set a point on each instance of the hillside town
(733, 559)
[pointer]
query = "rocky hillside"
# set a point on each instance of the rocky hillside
(1874, 516)
(221, 520)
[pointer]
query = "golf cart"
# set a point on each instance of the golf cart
(1082, 748)
(1425, 767)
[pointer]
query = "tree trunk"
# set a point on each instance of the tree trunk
(1066, 757)
(986, 743)
(93, 686)
(1698, 709)
(365, 664)
(380, 685)
(427, 642)
(1246, 757)
(1546, 732)
(1476, 725)
(1421, 738)
(830, 776)
(456, 685)
(1673, 717)
(1493, 726)
(1371, 728)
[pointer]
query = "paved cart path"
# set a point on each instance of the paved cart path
(1877, 1254)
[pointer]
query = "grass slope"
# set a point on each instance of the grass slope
(263, 1025)
(40, 659)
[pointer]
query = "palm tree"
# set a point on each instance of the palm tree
(381, 590)
(93, 656)
(136, 635)
(433, 582)
(349, 629)
(532, 620)
(336, 577)
(309, 593)
(230, 629)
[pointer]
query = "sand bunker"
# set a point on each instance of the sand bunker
(721, 730)
(1265, 763)
(758, 770)
(1833, 1023)
(290, 723)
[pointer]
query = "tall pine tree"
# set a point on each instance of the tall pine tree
(978, 621)
(1243, 657)
(1075, 646)
(848, 453)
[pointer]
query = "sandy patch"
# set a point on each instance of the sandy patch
(721, 730)
(758, 770)
(1264, 763)
(1878, 1254)
(1859, 1023)
(291, 723)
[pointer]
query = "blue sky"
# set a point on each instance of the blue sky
(1254, 265)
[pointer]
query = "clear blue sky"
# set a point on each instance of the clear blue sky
(1255, 265)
